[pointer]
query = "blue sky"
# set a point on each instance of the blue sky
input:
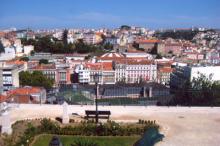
(109, 13)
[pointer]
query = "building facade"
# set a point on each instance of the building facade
(132, 71)
(188, 73)
(9, 75)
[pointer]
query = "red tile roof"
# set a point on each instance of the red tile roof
(135, 62)
(3, 98)
(17, 62)
(147, 41)
(100, 66)
(24, 91)
(44, 67)
(23, 99)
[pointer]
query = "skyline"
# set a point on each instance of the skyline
(99, 13)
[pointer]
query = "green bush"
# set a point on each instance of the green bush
(81, 142)
(89, 128)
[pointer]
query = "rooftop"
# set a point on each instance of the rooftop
(44, 67)
(24, 91)
(100, 66)
(134, 62)
(147, 41)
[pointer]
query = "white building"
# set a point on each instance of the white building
(28, 49)
(195, 72)
(83, 73)
(9, 75)
(105, 71)
(8, 54)
(132, 71)
(184, 73)
(89, 38)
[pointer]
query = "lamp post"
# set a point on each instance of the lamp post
(96, 80)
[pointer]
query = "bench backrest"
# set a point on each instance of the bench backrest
(99, 112)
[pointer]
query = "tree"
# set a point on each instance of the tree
(158, 56)
(81, 47)
(43, 61)
(1, 47)
(135, 45)
(154, 49)
(35, 79)
(32, 53)
(26, 59)
(170, 52)
(103, 39)
(179, 34)
(201, 91)
(65, 36)
(53, 45)
(25, 78)
(125, 27)
(108, 46)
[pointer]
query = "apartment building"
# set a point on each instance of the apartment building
(60, 74)
(133, 71)
(9, 74)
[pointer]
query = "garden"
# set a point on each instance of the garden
(86, 133)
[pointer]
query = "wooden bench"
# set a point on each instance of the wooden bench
(101, 114)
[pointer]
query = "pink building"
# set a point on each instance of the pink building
(60, 74)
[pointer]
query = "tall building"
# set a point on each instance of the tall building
(9, 75)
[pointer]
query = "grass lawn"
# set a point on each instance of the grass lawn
(43, 140)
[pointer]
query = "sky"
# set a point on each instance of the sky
(39, 14)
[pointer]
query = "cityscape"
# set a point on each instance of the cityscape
(73, 77)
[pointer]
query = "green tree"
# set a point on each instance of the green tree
(158, 56)
(1, 47)
(32, 53)
(201, 91)
(135, 45)
(154, 49)
(35, 79)
(26, 59)
(81, 47)
(43, 61)
(25, 78)
(108, 46)
(65, 36)
(125, 27)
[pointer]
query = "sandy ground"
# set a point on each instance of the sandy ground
(182, 126)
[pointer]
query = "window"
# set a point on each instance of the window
(62, 76)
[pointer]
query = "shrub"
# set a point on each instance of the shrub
(83, 142)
